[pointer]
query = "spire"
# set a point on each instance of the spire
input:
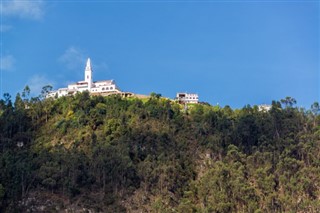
(88, 66)
(88, 74)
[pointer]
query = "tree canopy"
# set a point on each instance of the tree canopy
(114, 154)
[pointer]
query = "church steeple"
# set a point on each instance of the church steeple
(88, 66)
(88, 74)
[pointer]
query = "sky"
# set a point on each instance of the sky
(229, 52)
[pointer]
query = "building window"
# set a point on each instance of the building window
(107, 88)
(111, 88)
(102, 88)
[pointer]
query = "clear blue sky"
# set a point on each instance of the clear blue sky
(229, 52)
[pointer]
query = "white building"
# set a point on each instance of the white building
(264, 107)
(97, 87)
(187, 98)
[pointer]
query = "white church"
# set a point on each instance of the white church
(94, 87)
(108, 87)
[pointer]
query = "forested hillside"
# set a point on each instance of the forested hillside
(110, 154)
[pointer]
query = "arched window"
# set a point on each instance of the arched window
(111, 88)
(107, 88)
(102, 88)
(87, 77)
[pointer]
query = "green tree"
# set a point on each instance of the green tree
(288, 101)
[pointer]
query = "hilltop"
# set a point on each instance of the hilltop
(115, 154)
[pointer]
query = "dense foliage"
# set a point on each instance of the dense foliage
(111, 154)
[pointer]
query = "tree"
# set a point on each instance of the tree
(2, 193)
(45, 91)
(101, 151)
(155, 95)
(315, 108)
(18, 104)
(26, 92)
(288, 101)
(7, 99)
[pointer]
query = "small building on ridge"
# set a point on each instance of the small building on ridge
(187, 98)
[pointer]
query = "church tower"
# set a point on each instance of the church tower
(88, 74)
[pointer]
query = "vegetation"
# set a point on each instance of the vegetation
(110, 154)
